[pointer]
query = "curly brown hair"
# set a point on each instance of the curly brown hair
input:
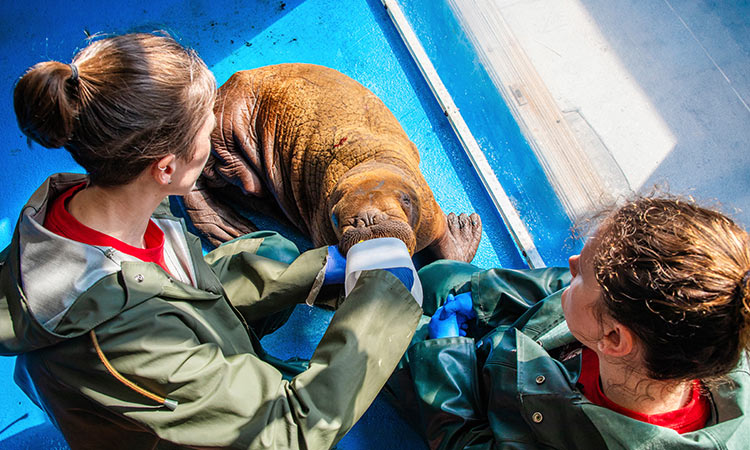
(123, 103)
(677, 275)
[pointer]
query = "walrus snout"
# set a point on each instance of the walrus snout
(383, 228)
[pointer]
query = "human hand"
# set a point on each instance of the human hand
(335, 266)
(451, 319)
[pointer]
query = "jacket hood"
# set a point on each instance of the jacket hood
(53, 288)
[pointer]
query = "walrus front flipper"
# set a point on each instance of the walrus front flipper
(215, 221)
(460, 240)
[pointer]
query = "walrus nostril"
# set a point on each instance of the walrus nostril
(371, 217)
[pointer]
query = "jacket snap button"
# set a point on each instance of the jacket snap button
(139, 278)
(540, 379)
(537, 417)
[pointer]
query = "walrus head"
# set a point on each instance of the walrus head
(374, 200)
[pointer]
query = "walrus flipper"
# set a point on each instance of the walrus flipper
(215, 221)
(460, 240)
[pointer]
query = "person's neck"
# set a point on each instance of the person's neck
(631, 388)
(122, 212)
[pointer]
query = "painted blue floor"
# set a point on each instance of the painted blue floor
(355, 37)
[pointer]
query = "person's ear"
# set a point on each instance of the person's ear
(617, 341)
(163, 169)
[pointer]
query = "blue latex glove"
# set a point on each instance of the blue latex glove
(335, 266)
(452, 319)
(404, 274)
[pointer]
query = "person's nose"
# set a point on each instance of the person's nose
(573, 265)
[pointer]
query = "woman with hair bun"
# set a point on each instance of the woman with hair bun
(126, 334)
(642, 343)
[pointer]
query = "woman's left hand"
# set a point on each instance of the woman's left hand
(451, 319)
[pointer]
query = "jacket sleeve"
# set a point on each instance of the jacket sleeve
(259, 286)
(499, 294)
(239, 401)
(447, 375)
(444, 374)
(502, 296)
(452, 391)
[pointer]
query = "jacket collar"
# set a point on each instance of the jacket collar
(54, 288)
(728, 424)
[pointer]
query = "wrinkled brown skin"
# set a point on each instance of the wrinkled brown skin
(310, 144)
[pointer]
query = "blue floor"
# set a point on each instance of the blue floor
(355, 37)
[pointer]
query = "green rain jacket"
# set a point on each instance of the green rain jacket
(171, 342)
(510, 388)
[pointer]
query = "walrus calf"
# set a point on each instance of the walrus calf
(309, 144)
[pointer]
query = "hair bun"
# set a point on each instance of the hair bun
(44, 102)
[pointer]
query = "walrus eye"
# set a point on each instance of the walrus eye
(405, 199)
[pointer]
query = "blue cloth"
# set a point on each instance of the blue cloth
(404, 274)
(335, 266)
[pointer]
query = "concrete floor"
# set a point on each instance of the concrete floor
(651, 93)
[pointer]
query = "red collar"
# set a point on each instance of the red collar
(61, 222)
(690, 417)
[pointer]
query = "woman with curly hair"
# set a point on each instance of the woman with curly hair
(642, 343)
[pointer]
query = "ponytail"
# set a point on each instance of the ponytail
(45, 101)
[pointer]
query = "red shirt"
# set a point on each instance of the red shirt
(61, 222)
(690, 417)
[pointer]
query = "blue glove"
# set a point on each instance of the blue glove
(335, 266)
(451, 319)
(404, 274)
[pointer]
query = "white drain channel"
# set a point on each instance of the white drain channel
(500, 199)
